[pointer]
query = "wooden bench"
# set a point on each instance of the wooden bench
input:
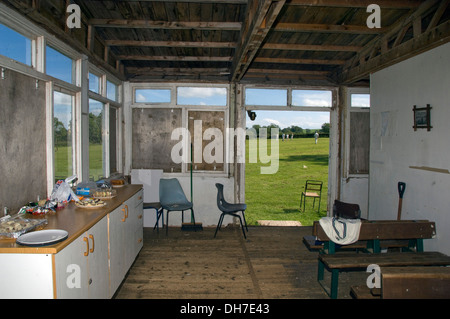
(408, 283)
(336, 263)
(375, 235)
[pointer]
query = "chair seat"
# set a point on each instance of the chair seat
(232, 208)
(177, 206)
(309, 194)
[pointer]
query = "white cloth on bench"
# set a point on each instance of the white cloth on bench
(340, 230)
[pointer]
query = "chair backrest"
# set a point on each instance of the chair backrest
(346, 210)
(313, 185)
(170, 192)
(220, 198)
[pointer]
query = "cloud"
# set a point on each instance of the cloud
(201, 92)
(140, 98)
(272, 121)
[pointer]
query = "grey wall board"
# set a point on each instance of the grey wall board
(23, 169)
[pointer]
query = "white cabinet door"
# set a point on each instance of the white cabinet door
(98, 260)
(116, 227)
(125, 238)
(71, 270)
(81, 268)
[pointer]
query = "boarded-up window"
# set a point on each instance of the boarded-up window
(359, 142)
(152, 144)
(207, 131)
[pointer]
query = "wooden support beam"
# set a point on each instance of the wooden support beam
(299, 61)
(398, 4)
(260, 18)
(176, 25)
(329, 28)
(177, 71)
(389, 55)
(175, 44)
(176, 58)
(311, 47)
(426, 41)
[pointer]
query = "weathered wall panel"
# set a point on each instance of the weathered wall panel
(151, 133)
(22, 140)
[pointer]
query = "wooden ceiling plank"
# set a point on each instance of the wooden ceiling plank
(148, 24)
(315, 27)
(299, 61)
(176, 58)
(398, 4)
(190, 44)
(310, 47)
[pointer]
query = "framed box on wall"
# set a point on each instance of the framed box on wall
(422, 117)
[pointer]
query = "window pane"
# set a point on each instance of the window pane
(95, 139)
(111, 91)
(14, 45)
(62, 135)
(265, 97)
(311, 98)
(94, 83)
(58, 65)
(360, 100)
(152, 96)
(201, 96)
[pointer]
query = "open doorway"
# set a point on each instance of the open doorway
(276, 197)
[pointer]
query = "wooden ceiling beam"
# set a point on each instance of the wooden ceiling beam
(176, 58)
(299, 61)
(365, 62)
(177, 71)
(260, 17)
(175, 44)
(329, 28)
(194, 1)
(175, 25)
(311, 47)
(384, 4)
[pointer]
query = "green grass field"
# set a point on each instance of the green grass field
(277, 196)
(63, 165)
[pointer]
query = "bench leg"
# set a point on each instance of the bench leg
(334, 283)
(320, 271)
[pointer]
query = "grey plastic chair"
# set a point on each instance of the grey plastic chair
(229, 209)
(172, 198)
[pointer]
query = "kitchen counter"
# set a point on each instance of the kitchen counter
(73, 219)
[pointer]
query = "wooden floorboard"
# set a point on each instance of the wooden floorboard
(272, 263)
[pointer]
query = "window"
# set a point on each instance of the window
(201, 96)
(266, 97)
(96, 153)
(111, 91)
(94, 83)
(59, 65)
(14, 45)
(152, 95)
(360, 100)
(63, 135)
(311, 98)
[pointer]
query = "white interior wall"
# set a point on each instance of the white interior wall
(396, 148)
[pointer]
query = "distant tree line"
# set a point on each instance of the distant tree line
(298, 132)
(63, 135)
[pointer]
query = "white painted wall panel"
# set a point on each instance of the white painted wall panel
(395, 146)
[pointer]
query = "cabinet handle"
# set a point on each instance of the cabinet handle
(126, 206)
(93, 244)
(87, 246)
(140, 217)
(124, 215)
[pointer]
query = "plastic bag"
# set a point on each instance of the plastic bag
(63, 192)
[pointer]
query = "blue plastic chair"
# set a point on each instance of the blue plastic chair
(172, 198)
(229, 209)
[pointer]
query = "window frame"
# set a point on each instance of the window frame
(184, 114)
